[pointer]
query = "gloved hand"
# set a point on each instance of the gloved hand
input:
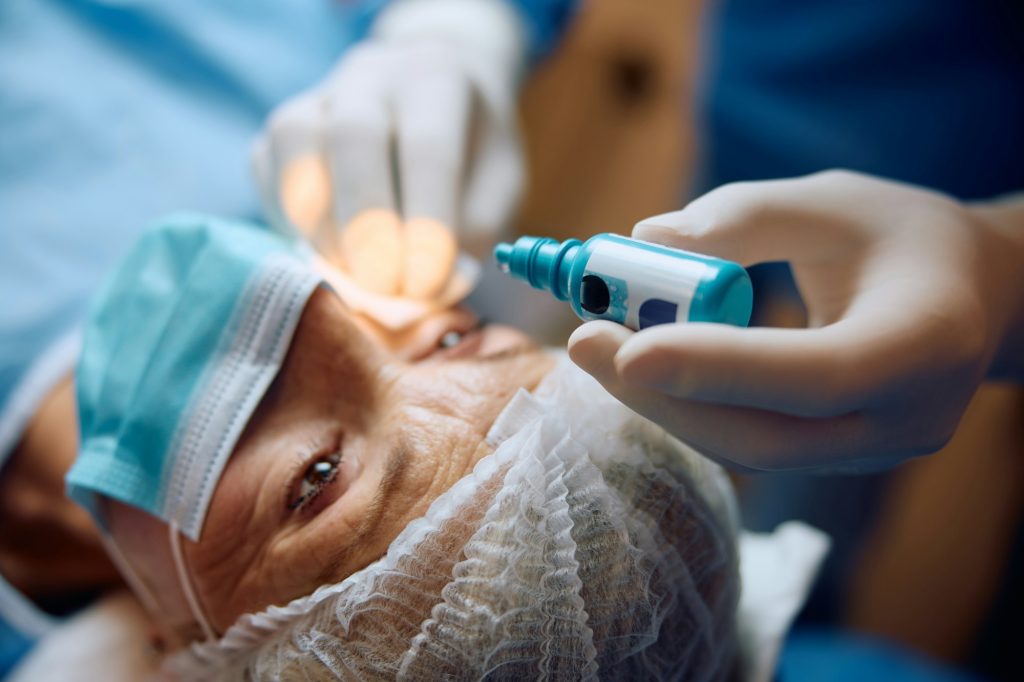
(911, 297)
(411, 136)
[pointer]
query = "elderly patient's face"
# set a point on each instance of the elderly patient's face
(360, 432)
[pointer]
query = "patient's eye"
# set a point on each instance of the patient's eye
(317, 476)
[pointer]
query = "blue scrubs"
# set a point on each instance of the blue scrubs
(925, 91)
(811, 656)
(114, 112)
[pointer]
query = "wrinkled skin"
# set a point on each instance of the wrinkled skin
(360, 432)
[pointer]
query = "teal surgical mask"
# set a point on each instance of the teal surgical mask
(182, 342)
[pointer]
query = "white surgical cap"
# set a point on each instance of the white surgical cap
(588, 545)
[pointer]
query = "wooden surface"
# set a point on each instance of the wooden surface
(607, 122)
(929, 574)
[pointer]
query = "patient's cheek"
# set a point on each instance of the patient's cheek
(447, 439)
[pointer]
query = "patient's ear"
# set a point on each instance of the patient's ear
(139, 545)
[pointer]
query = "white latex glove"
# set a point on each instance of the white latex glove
(911, 299)
(412, 136)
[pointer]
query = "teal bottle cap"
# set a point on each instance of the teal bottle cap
(539, 261)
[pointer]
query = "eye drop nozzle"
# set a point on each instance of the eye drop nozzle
(544, 263)
(637, 284)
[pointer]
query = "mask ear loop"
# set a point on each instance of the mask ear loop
(135, 583)
(186, 583)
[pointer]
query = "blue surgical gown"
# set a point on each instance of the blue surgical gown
(924, 91)
(114, 112)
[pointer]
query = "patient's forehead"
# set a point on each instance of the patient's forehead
(331, 351)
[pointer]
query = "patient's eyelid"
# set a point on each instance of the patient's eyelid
(312, 475)
(314, 480)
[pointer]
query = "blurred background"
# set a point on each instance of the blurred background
(928, 557)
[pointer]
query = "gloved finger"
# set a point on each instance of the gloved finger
(864, 359)
(429, 252)
(294, 141)
(758, 222)
(372, 250)
(432, 120)
(593, 346)
(739, 437)
(366, 225)
(358, 146)
(495, 185)
(432, 124)
(802, 372)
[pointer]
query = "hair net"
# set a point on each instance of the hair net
(588, 545)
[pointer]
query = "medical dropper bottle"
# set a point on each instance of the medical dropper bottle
(634, 283)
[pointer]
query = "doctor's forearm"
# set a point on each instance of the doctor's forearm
(1003, 221)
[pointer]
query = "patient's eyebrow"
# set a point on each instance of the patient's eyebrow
(339, 564)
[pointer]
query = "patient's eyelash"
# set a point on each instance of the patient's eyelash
(318, 476)
(310, 476)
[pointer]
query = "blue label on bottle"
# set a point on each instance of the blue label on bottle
(656, 311)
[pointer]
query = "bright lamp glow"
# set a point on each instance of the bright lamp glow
(306, 192)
